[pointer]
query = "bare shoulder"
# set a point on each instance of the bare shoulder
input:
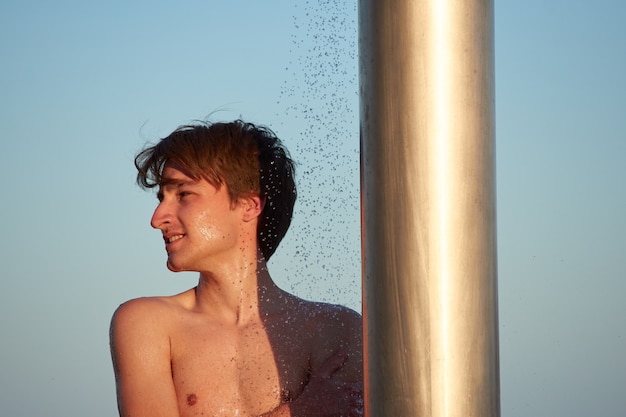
(333, 328)
(139, 308)
(137, 325)
(330, 317)
(141, 311)
(145, 318)
(152, 308)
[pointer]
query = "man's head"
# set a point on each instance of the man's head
(247, 159)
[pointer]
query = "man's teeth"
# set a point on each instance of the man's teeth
(174, 238)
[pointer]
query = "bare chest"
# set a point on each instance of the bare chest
(230, 371)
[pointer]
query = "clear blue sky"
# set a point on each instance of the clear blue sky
(83, 86)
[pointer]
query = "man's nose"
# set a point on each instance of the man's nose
(161, 216)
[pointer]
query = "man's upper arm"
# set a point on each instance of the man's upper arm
(141, 360)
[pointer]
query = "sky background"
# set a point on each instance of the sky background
(84, 85)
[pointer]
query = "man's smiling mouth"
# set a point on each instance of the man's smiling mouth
(174, 238)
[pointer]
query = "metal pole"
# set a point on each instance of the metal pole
(428, 199)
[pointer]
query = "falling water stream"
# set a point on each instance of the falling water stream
(321, 254)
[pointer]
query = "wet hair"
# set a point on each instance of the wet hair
(248, 159)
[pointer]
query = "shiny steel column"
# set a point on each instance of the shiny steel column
(428, 204)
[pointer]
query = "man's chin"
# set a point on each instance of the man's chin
(174, 267)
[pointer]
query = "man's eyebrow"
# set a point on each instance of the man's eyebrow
(175, 182)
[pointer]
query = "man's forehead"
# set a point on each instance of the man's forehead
(173, 174)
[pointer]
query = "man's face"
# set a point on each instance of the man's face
(200, 224)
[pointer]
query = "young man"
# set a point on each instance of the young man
(236, 344)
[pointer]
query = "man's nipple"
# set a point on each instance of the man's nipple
(192, 399)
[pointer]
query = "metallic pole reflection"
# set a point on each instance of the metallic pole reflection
(428, 197)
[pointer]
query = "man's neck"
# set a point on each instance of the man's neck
(234, 295)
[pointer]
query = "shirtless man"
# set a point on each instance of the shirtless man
(236, 344)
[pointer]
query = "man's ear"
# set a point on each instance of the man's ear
(252, 207)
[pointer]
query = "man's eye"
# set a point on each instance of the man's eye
(183, 194)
